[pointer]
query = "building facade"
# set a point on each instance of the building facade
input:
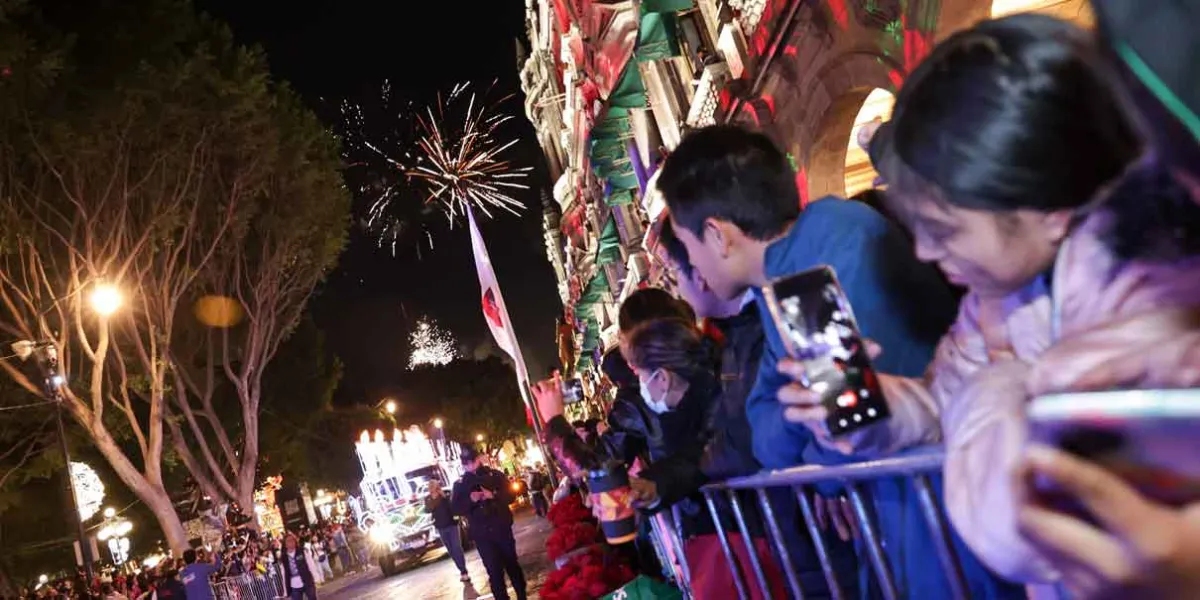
(611, 87)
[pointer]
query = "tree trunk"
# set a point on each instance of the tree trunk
(159, 503)
(149, 490)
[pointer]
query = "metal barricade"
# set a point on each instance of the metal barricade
(251, 586)
(916, 468)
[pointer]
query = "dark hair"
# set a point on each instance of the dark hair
(675, 249)
(731, 174)
(189, 556)
(652, 303)
(1013, 113)
(670, 344)
(1156, 217)
(617, 370)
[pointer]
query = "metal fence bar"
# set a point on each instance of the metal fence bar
(818, 540)
(789, 568)
(905, 466)
(874, 545)
(755, 563)
(734, 568)
(941, 537)
(674, 525)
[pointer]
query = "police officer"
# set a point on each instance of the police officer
(482, 495)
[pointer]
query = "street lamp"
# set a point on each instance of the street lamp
(438, 423)
(116, 532)
(105, 299)
(390, 407)
(479, 437)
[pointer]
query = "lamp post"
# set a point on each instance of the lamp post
(116, 532)
(104, 299)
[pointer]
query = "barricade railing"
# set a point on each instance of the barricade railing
(915, 467)
(251, 586)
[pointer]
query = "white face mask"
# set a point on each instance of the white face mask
(658, 407)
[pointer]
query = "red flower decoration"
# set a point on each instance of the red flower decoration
(568, 511)
(589, 575)
(571, 537)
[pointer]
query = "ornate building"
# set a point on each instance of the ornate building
(612, 86)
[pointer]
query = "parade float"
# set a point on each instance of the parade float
(396, 476)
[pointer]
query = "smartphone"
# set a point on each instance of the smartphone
(1146, 437)
(572, 391)
(814, 319)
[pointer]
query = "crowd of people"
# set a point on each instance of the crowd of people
(1036, 230)
(326, 551)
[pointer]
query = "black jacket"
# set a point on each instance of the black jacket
(301, 567)
(723, 448)
(443, 513)
(488, 519)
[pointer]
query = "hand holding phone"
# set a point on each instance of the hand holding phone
(829, 358)
(1145, 437)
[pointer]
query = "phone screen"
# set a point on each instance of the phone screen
(572, 390)
(816, 323)
(1146, 437)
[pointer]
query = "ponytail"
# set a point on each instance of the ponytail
(1156, 217)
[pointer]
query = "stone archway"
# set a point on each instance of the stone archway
(832, 108)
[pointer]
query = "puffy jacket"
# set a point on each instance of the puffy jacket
(974, 395)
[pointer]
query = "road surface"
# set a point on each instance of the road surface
(434, 576)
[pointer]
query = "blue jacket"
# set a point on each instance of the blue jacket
(900, 303)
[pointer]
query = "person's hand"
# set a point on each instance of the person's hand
(1160, 349)
(1137, 549)
(839, 513)
(487, 494)
(548, 395)
(803, 405)
(645, 492)
(601, 427)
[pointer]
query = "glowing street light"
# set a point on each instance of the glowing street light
(110, 512)
(479, 437)
(390, 407)
(438, 423)
(105, 299)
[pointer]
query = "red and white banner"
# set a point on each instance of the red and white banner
(494, 310)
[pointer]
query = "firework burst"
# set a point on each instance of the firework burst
(418, 163)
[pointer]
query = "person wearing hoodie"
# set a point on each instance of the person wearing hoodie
(733, 203)
(1055, 221)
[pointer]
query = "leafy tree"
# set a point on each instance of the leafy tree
(161, 159)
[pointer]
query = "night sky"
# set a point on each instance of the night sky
(333, 50)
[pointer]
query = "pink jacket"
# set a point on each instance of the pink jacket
(973, 396)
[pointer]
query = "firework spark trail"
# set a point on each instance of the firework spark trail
(453, 163)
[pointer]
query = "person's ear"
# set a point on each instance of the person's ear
(719, 236)
(1057, 224)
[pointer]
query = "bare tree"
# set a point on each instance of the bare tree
(134, 183)
(267, 269)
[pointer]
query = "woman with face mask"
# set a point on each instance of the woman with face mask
(1012, 160)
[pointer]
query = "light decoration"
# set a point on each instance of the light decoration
(430, 345)
(89, 490)
(533, 454)
(265, 507)
(396, 473)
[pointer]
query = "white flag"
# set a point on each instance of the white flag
(494, 310)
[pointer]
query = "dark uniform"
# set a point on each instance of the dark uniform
(490, 523)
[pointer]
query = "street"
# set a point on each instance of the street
(436, 578)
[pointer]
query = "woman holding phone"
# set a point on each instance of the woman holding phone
(1018, 170)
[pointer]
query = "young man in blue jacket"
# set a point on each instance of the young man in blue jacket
(734, 204)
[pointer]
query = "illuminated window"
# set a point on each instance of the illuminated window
(860, 175)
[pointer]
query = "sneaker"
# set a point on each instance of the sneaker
(465, 578)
